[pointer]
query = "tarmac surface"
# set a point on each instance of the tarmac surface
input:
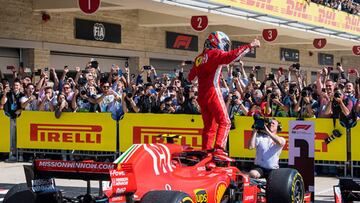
(13, 173)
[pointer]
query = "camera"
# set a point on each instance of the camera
(188, 62)
(272, 96)
(234, 98)
(94, 64)
(83, 91)
(268, 92)
(147, 67)
(251, 75)
(337, 94)
(257, 67)
(338, 64)
(335, 133)
(82, 81)
(259, 122)
(247, 95)
(306, 92)
(296, 66)
(235, 74)
(271, 76)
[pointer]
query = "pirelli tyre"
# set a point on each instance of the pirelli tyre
(166, 196)
(285, 185)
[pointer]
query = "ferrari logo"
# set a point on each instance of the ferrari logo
(198, 61)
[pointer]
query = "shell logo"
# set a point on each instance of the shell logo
(220, 190)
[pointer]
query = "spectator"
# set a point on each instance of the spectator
(48, 101)
(29, 101)
(12, 107)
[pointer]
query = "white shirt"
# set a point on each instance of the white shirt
(31, 106)
(267, 152)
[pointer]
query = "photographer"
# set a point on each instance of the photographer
(235, 106)
(306, 107)
(275, 105)
(268, 147)
(147, 102)
(129, 104)
(190, 105)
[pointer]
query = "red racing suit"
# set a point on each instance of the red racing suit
(207, 68)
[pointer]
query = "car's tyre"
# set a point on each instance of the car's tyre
(20, 193)
(166, 196)
(285, 185)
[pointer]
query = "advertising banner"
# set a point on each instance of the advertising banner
(355, 140)
(333, 151)
(301, 150)
(72, 131)
(146, 128)
(4, 133)
(301, 11)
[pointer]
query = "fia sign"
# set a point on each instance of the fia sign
(99, 31)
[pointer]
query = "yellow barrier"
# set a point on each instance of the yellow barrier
(72, 131)
(334, 151)
(145, 128)
(355, 140)
(4, 133)
(301, 11)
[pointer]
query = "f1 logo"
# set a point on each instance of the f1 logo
(182, 41)
(299, 127)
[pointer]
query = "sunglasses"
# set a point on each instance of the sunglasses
(66, 87)
(106, 87)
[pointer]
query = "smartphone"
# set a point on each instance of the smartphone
(188, 62)
(330, 68)
(10, 67)
(271, 76)
(126, 64)
(46, 69)
(147, 67)
(257, 67)
(120, 73)
(338, 64)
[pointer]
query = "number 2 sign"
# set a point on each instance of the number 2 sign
(356, 50)
(199, 23)
(269, 35)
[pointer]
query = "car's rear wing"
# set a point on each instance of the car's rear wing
(80, 170)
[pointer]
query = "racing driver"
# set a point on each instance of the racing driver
(207, 68)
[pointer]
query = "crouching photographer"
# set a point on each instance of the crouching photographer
(268, 146)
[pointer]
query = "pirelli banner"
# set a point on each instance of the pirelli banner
(4, 132)
(328, 147)
(355, 140)
(72, 131)
(147, 128)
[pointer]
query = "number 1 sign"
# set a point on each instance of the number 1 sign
(199, 23)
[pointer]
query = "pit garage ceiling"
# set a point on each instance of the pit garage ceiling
(159, 14)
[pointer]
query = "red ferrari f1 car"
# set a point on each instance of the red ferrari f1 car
(163, 173)
(169, 173)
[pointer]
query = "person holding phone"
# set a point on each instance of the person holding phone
(207, 68)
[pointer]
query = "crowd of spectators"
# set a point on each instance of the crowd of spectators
(349, 6)
(281, 94)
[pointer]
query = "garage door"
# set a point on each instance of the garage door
(167, 66)
(8, 56)
(59, 59)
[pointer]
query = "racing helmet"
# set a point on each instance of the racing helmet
(217, 40)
